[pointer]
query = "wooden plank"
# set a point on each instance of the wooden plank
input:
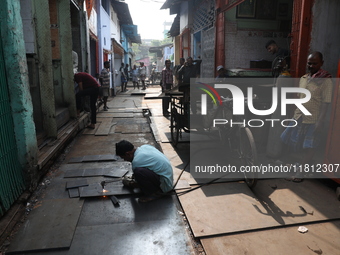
(50, 226)
(322, 238)
(275, 203)
(231, 208)
(182, 184)
(155, 96)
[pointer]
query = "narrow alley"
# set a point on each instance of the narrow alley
(240, 97)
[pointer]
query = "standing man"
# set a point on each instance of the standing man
(105, 83)
(134, 74)
(126, 72)
(122, 77)
(185, 73)
(176, 69)
(152, 170)
(167, 83)
(142, 74)
(306, 135)
(88, 86)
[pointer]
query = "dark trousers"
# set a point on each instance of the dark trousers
(166, 101)
(93, 93)
(147, 180)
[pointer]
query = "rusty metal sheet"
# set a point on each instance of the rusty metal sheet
(272, 203)
(109, 157)
(96, 190)
(76, 160)
(89, 172)
(321, 238)
(76, 183)
(93, 158)
(103, 164)
(49, 226)
(116, 115)
(105, 127)
(73, 193)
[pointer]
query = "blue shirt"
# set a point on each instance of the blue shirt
(149, 157)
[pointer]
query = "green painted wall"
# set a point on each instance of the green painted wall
(43, 35)
(64, 17)
(16, 71)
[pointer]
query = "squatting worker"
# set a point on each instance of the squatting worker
(151, 169)
(88, 86)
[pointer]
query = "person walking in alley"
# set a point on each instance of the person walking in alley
(126, 72)
(105, 83)
(142, 74)
(134, 74)
(88, 86)
(167, 83)
(306, 134)
(152, 171)
(122, 77)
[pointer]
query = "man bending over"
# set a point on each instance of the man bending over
(152, 170)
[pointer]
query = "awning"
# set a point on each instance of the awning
(175, 27)
(131, 33)
(93, 36)
(117, 48)
(170, 3)
(123, 12)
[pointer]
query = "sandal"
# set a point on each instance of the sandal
(130, 183)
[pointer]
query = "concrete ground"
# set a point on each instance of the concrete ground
(224, 218)
(230, 218)
(57, 224)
